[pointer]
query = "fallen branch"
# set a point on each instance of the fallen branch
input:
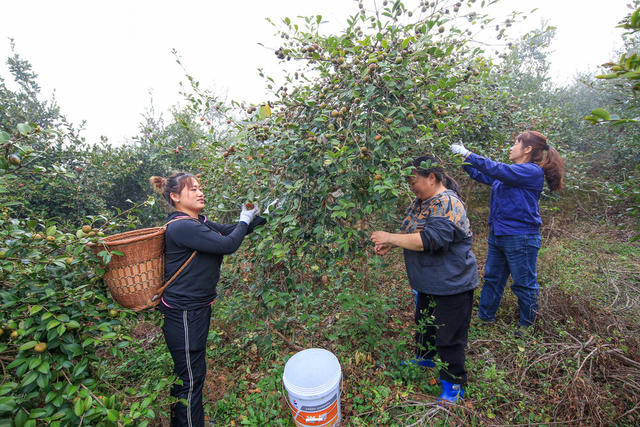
(630, 411)
(594, 351)
(290, 344)
(85, 387)
(570, 422)
(616, 352)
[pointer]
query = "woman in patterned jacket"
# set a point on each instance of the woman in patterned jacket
(436, 239)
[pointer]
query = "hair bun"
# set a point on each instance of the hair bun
(158, 183)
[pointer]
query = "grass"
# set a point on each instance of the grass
(580, 364)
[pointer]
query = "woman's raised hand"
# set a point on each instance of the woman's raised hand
(459, 149)
(247, 215)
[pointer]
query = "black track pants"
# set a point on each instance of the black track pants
(185, 332)
(446, 332)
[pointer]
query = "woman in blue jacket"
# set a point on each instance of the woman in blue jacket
(436, 239)
(186, 302)
(514, 220)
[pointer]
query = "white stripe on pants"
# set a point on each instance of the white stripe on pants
(186, 350)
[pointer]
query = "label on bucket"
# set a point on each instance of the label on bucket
(329, 416)
(321, 406)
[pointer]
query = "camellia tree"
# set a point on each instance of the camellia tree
(332, 142)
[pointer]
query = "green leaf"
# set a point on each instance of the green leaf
(74, 349)
(42, 381)
(34, 363)
(631, 75)
(35, 309)
(265, 111)
(8, 388)
(601, 113)
(78, 408)
(607, 76)
(79, 369)
(7, 404)
(4, 137)
(21, 418)
(635, 19)
(87, 403)
(53, 323)
(17, 362)
(44, 367)
(50, 396)
(29, 378)
(38, 413)
(427, 165)
(27, 346)
(24, 128)
(112, 415)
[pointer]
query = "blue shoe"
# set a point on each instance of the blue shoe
(450, 392)
(425, 363)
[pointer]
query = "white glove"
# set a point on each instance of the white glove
(276, 204)
(247, 215)
(459, 149)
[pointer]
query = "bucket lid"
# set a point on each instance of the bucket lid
(311, 372)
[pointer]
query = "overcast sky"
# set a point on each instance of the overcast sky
(103, 59)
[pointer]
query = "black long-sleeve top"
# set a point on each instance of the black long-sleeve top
(195, 286)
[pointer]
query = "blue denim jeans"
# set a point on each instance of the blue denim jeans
(514, 255)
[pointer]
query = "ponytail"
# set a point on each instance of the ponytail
(451, 184)
(545, 156)
(553, 168)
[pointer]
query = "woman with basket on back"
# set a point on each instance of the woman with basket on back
(197, 246)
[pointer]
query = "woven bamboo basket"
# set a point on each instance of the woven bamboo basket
(135, 277)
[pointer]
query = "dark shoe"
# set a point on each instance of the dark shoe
(521, 332)
(425, 363)
(450, 392)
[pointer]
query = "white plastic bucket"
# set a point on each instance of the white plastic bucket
(312, 379)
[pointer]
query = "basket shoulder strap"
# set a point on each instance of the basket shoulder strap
(182, 267)
(178, 218)
(175, 275)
